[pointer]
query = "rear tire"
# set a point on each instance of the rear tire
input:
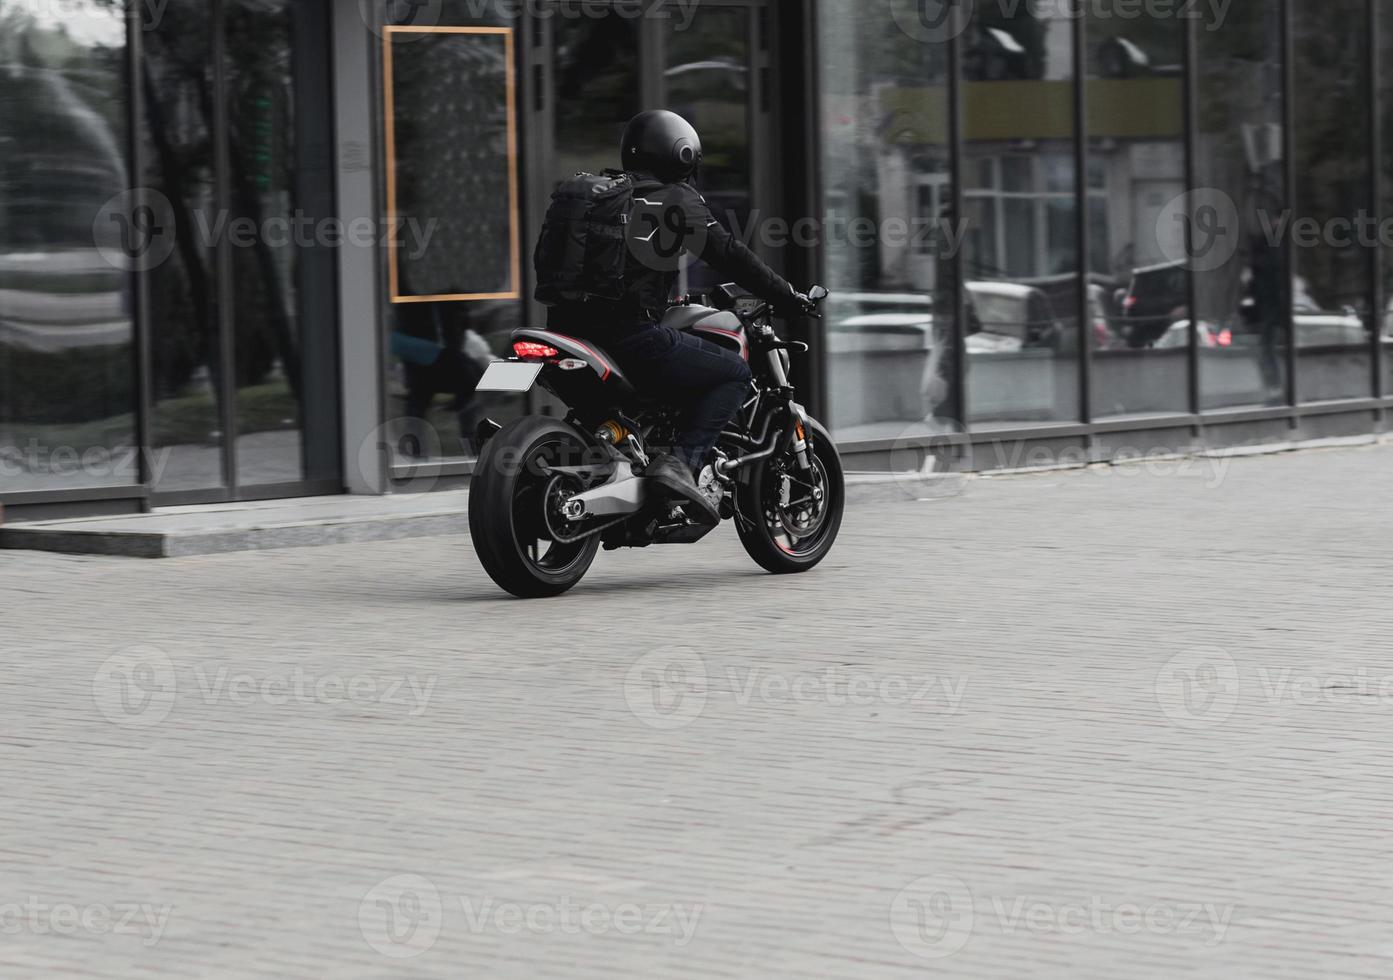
(767, 531)
(508, 509)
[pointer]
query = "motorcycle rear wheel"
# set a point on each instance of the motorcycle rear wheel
(513, 509)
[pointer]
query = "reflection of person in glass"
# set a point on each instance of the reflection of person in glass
(439, 355)
(1262, 309)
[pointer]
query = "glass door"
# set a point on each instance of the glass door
(238, 310)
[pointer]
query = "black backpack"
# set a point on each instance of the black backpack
(581, 252)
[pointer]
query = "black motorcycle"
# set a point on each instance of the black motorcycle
(547, 492)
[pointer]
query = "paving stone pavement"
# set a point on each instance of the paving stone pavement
(1101, 723)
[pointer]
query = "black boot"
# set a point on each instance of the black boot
(675, 480)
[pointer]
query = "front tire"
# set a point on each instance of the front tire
(793, 538)
(512, 515)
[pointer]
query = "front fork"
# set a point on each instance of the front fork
(797, 435)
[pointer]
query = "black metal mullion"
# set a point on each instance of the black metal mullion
(1191, 123)
(799, 30)
(1085, 360)
(223, 255)
(1288, 48)
(955, 263)
(140, 319)
(1376, 291)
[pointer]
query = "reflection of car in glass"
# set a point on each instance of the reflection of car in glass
(1019, 315)
(714, 71)
(1157, 297)
(994, 55)
(1312, 328)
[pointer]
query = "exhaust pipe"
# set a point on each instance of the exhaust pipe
(728, 466)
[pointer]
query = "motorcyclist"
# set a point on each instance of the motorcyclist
(662, 151)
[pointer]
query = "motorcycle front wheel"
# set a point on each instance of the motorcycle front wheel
(789, 517)
(515, 520)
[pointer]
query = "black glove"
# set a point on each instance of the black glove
(795, 304)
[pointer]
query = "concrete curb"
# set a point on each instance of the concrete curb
(307, 523)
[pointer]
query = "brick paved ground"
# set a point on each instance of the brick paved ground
(1084, 724)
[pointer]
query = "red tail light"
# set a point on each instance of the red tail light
(1225, 337)
(529, 348)
(1129, 302)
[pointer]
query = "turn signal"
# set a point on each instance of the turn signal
(530, 348)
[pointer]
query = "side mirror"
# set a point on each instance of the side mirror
(817, 294)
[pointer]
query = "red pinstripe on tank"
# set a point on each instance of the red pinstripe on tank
(735, 335)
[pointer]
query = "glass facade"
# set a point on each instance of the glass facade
(1332, 301)
(225, 148)
(887, 227)
(156, 240)
(1137, 318)
(1021, 212)
(1037, 220)
(1163, 211)
(67, 366)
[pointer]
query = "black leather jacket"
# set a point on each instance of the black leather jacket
(648, 286)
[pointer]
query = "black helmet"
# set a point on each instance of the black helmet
(661, 143)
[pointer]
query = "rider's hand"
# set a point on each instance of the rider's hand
(795, 304)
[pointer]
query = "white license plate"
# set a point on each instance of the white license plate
(508, 376)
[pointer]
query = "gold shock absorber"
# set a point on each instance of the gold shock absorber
(612, 432)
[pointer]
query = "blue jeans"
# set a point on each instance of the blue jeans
(708, 382)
